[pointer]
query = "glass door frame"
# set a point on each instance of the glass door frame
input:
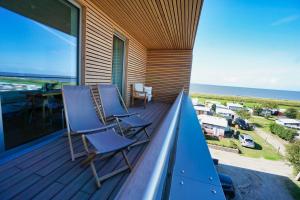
(124, 75)
(80, 73)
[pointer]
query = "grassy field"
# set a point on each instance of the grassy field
(247, 101)
(261, 122)
(262, 149)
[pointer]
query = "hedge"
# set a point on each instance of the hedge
(293, 155)
(284, 133)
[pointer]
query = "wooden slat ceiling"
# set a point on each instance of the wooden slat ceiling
(157, 24)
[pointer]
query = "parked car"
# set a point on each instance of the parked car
(242, 124)
(246, 141)
(227, 185)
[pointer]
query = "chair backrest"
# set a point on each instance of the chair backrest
(79, 109)
(138, 87)
(111, 100)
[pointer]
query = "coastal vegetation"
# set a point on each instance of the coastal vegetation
(249, 101)
(282, 132)
(293, 152)
(292, 113)
(243, 114)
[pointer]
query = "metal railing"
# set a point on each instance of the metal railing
(147, 179)
(177, 163)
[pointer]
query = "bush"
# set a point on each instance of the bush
(282, 132)
(293, 155)
(243, 114)
(291, 113)
(257, 109)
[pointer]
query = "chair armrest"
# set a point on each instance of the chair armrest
(138, 92)
(125, 115)
(97, 129)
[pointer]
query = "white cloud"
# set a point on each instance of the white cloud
(285, 20)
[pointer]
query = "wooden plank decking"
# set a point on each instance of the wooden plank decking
(48, 172)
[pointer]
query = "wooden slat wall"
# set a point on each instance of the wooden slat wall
(157, 24)
(168, 71)
(97, 49)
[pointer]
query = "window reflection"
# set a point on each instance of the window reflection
(38, 54)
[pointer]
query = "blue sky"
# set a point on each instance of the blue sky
(248, 43)
(27, 46)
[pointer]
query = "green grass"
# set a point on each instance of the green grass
(261, 122)
(247, 101)
(262, 149)
(225, 142)
(31, 81)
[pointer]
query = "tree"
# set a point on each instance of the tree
(243, 114)
(257, 109)
(293, 155)
(214, 108)
(291, 113)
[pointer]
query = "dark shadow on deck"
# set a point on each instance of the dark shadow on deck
(49, 173)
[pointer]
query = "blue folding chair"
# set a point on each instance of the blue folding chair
(113, 107)
(82, 119)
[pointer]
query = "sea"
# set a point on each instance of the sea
(246, 92)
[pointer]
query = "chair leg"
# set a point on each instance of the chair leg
(147, 134)
(145, 101)
(95, 174)
(120, 128)
(71, 147)
(126, 160)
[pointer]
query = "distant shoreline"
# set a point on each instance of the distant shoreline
(29, 75)
(244, 92)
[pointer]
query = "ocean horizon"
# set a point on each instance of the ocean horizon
(245, 92)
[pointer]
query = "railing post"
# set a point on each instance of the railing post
(2, 147)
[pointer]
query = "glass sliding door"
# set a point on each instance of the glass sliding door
(39, 45)
(118, 63)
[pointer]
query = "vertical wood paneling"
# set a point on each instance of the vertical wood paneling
(97, 49)
(165, 25)
(168, 71)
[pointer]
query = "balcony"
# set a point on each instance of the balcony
(173, 164)
(113, 42)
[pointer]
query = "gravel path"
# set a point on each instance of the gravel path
(276, 142)
(255, 179)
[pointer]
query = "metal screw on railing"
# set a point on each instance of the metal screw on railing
(214, 191)
(182, 171)
(181, 182)
(210, 178)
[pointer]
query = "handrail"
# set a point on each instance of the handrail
(145, 180)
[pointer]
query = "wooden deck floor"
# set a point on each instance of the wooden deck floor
(48, 172)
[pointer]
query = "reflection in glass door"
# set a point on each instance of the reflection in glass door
(118, 63)
(39, 54)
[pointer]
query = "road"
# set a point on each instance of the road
(255, 179)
